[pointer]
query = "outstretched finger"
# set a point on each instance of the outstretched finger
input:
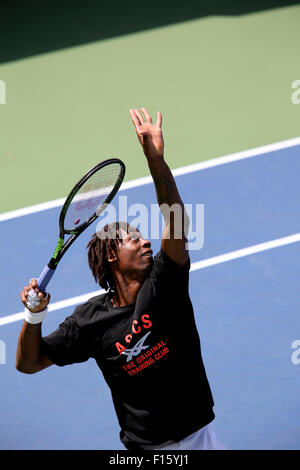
(147, 115)
(139, 116)
(134, 118)
(159, 119)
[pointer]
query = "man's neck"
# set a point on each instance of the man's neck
(126, 291)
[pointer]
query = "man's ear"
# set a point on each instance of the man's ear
(112, 256)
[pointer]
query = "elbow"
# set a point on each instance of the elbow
(25, 368)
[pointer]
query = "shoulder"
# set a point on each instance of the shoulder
(166, 271)
(76, 337)
(90, 311)
(162, 259)
(81, 321)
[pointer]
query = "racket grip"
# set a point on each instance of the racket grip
(44, 278)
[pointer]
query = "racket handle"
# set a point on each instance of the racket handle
(45, 277)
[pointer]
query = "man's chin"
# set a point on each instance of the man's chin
(149, 264)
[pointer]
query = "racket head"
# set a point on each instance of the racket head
(91, 195)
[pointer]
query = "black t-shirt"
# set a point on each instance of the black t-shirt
(150, 356)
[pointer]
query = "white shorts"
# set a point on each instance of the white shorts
(203, 439)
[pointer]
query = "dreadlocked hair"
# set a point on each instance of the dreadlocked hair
(101, 245)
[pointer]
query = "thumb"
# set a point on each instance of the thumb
(143, 133)
(44, 297)
(142, 136)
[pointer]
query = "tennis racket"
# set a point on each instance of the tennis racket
(87, 200)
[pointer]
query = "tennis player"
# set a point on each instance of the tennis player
(142, 330)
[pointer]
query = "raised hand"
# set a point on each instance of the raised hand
(149, 134)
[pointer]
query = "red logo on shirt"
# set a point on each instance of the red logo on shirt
(135, 329)
(147, 359)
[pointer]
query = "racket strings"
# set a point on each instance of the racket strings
(92, 195)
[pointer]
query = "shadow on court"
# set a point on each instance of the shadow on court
(33, 27)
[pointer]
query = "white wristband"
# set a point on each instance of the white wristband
(35, 318)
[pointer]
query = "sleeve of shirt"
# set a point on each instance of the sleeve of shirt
(68, 344)
(167, 273)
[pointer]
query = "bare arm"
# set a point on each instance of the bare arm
(29, 356)
(176, 220)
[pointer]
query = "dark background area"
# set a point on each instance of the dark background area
(35, 27)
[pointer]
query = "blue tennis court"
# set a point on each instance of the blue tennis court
(246, 308)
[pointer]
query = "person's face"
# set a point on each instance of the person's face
(134, 256)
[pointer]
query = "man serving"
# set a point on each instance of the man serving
(142, 330)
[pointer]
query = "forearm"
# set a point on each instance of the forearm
(165, 186)
(28, 357)
(168, 196)
(176, 219)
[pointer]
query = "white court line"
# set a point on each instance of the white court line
(55, 306)
(250, 250)
(265, 149)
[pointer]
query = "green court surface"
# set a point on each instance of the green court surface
(223, 83)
